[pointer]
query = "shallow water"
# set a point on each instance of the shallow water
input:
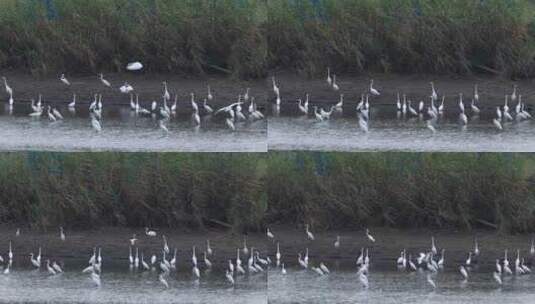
(122, 130)
(389, 130)
(123, 286)
(342, 286)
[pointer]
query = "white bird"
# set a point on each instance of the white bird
(301, 261)
(245, 250)
(275, 87)
(126, 88)
(324, 268)
(434, 95)
(269, 234)
(11, 101)
(162, 280)
(497, 124)
(329, 79)
(153, 259)
(64, 80)
(340, 103)
(283, 269)
(130, 256)
(39, 256)
(196, 272)
(209, 96)
(430, 281)
(173, 260)
(193, 103)
(61, 233)
(461, 103)
(104, 81)
(373, 91)
(207, 261)
(441, 261)
(6, 270)
(441, 106)
(49, 268)
(10, 252)
(532, 248)
(95, 277)
(193, 256)
(398, 102)
(134, 66)
(497, 278)
(463, 271)
(133, 240)
(476, 247)
(469, 259)
(165, 246)
(369, 236)
(51, 116)
(9, 90)
(150, 233)
(474, 108)
(166, 95)
(228, 275)
(318, 271)
(318, 116)
(334, 84)
(34, 261)
(498, 266)
(309, 234)
(278, 254)
(514, 95)
(505, 105)
(72, 104)
(56, 267)
(476, 94)
(337, 242)
(136, 258)
(207, 108)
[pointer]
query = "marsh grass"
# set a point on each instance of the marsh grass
(251, 38)
(403, 190)
(82, 190)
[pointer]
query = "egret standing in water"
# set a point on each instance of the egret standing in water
(369, 236)
(150, 233)
(64, 80)
(373, 91)
(104, 81)
(309, 234)
(61, 234)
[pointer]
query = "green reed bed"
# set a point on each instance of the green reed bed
(402, 190)
(84, 190)
(251, 38)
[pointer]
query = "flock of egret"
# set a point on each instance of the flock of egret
(431, 110)
(163, 110)
(163, 263)
(430, 261)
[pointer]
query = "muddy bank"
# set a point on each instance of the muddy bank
(225, 90)
(389, 242)
(115, 244)
(417, 87)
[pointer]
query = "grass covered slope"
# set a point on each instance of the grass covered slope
(249, 38)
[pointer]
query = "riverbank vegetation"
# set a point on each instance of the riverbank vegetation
(253, 38)
(251, 191)
(403, 190)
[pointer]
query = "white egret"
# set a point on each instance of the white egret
(72, 104)
(369, 236)
(269, 234)
(476, 247)
(134, 66)
(476, 93)
(49, 268)
(207, 261)
(136, 258)
(334, 84)
(61, 233)
(324, 268)
(373, 91)
(143, 263)
(56, 267)
(166, 95)
(434, 95)
(34, 261)
(64, 80)
(208, 248)
(193, 256)
(337, 242)
(9, 90)
(245, 250)
(126, 88)
(275, 87)
(104, 81)
(283, 269)
(309, 234)
(329, 79)
(150, 233)
(207, 108)
(340, 103)
(463, 272)
(278, 254)
(130, 256)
